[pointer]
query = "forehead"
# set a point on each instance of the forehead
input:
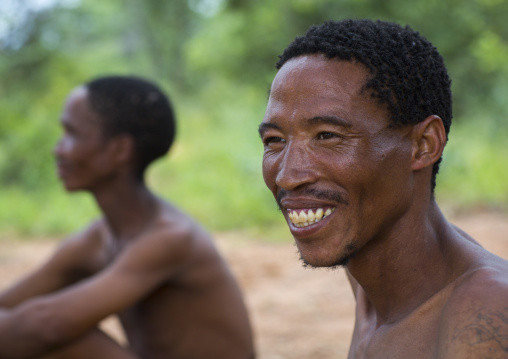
(78, 111)
(313, 85)
(319, 71)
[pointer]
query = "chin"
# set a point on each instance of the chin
(328, 260)
(69, 187)
(320, 263)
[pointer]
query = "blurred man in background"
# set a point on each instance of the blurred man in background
(143, 260)
(356, 123)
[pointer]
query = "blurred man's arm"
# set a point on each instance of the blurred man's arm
(64, 267)
(46, 322)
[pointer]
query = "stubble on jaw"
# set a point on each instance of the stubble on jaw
(351, 248)
(342, 261)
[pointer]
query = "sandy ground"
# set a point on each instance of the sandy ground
(296, 313)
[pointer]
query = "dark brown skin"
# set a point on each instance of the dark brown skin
(145, 261)
(424, 288)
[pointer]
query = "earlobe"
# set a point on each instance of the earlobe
(429, 140)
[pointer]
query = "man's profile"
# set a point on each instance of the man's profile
(144, 259)
(356, 122)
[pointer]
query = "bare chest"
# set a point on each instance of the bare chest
(396, 341)
(416, 336)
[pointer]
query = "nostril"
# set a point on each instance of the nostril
(291, 179)
(297, 168)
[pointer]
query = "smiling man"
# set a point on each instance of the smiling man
(356, 123)
(143, 260)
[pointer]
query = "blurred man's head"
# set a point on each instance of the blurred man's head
(136, 107)
(109, 123)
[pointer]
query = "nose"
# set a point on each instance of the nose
(59, 148)
(297, 168)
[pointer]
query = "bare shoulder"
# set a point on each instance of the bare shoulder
(90, 235)
(82, 253)
(474, 322)
(175, 229)
(83, 241)
(173, 241)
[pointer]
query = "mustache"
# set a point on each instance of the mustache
(312, 192)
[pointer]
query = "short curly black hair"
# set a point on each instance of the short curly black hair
(135, 106)
(408, 73)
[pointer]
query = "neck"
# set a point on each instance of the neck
(128, 207)
(404, 269)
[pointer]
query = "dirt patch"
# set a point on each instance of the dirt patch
(297, 313)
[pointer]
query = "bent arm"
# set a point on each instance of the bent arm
(61, 269)
(49, 277)
(43, 323)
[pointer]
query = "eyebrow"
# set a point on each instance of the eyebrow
(330, 120)
(265, 126)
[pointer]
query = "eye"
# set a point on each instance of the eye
(68, 129)
(325, 135)
(273, 139)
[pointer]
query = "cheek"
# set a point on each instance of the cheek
(270, 171)
(387, 181)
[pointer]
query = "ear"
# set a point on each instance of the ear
(429, 140)
(122, 149)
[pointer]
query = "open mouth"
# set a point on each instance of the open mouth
(305, 217)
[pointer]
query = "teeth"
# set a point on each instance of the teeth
(303, 219)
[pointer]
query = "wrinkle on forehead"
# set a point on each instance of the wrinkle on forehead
(353, 75)
(300, 83)
(313, 86)
(312, 83)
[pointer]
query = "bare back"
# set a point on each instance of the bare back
(197, 311)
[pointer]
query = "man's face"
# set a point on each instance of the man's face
(340, 175)
(81, 151)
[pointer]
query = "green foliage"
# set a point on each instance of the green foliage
(474, 169)
(214, 171)
(43, 213)
(216, 59)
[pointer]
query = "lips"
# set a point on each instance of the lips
(307, 208)
(63, 168)
(305, 217)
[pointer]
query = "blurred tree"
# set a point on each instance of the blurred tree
(157, 30)
(29, 66)
(46, 52)
(243, 41)
(217, 57)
